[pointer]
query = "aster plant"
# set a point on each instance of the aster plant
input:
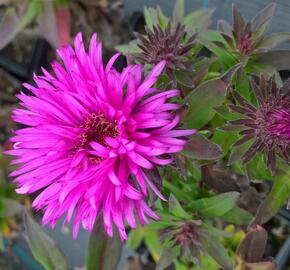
(161, 153)
(248, 40)
(247, 43)
(268, 124)
(173, 40)
(91, 134)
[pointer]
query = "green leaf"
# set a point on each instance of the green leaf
(225, 113)
(102, 247)
(175, 190)
(272, 41)
(43, 247)
(199, 147)
(62, 2)
(242, 84)
(224, 56)
(151, 18)
(224, 139)
(10, 208)
(202, 100)
(176, 209)
(12, 23)
(214, 232)
(199, 20)
(237, 216)
(148, 18)
(186, 77)
(178, 11)
(153, 243)
(262, 20)
(216, 250)
(2, 244)
(135, 238)
(130, 48)
(166, 258)
(161, 18)
(215, 206)
(214, 36)
(279, 59)
(274, 200)
(237, 152)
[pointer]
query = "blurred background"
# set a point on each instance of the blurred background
(29, 32)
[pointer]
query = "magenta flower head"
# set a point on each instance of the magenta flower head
(268, 124)
(91, 134)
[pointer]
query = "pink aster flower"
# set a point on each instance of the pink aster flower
(91, 134)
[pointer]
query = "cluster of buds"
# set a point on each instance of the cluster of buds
(186, 235)
(171, 44)
(268, 124)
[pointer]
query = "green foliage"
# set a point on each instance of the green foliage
(275, 200)
(12, 23)
(215, 206)
(202, 101)
(43, 247)
(208, 187)
(101, 247)
(205, 98)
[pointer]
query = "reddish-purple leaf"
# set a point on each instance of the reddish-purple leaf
(279, 59)
(63, 25)
(253, 246)
(272, 41)
(199, 147)
(262, 266)
(263, 18)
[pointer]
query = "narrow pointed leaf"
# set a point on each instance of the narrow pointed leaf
(202, 101)
(11, 23)
(279, 59)
(224, 27)
(63, 20)
(237, 216)
(215, 206)
(176, 209)
(253, 246)
(103, 252)
(166, 258)
(198, 21)
(178, 11)
(47, 24)
(148, 18)
(262, 266)
(161, 18)
(135, 238)
(272, 41)
(221, 180)
(130, 48)
(227, 59)
(238, 21)
(275, 199)
(213, 36)
(263, 18)
(199, 147)
(10, 208)
(43, 247)
(186, 77)
(217, 251)
(178, 193)
(2, 243)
